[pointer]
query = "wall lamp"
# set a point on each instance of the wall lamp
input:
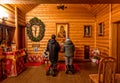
(3, 15)
(61, 6)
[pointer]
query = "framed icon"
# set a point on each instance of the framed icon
(35, 49)
(100, 29)
(62, 30)
(87, 30)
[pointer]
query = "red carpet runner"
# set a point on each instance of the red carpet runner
(61, 67)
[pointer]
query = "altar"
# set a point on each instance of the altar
(13, 64)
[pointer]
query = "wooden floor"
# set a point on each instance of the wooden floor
(38, 75)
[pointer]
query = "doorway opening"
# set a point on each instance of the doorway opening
(116, 43)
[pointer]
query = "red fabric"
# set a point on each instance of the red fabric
(62, 67)
(8, 65)
(13, 67)
(9, 53)
(33, 58)
(33, 64)
(20, 65)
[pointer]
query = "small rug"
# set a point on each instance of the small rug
(62, 67)
(33, 64)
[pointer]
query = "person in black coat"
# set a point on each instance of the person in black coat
(53, 48)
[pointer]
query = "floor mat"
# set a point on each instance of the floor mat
(62, 67)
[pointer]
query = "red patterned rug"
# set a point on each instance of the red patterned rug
(62, 67)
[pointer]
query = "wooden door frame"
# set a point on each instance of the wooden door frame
(115, 43)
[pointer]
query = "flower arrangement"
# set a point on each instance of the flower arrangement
(95, 55)
(46, 56)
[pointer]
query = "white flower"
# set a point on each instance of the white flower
(95, 54)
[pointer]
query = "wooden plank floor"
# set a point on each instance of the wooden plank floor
(38, 75)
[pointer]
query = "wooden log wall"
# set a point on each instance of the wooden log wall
(115, 12)
(108, 17)
(76, 15)
(116, 33)
(102, 42)
(21, 18)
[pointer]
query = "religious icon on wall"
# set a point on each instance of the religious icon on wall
(87, 31)
(35, 30)
(62, 30)
(36, 49)
(100, 29)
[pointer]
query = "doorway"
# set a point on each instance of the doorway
(21, 36)
(116, 43)
(86, 51)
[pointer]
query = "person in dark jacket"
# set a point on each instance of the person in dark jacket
(53, 48)
(68, 50)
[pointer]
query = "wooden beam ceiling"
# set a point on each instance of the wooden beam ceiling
(94, 8)
(26, 5)
(58, 1)
(24, 8)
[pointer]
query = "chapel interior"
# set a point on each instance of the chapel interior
(27, 25)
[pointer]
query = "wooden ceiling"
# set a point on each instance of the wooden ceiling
(24, 8)
(93, 8)
(91, 5)
(58, 1)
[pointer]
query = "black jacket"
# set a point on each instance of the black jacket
(53, 47)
